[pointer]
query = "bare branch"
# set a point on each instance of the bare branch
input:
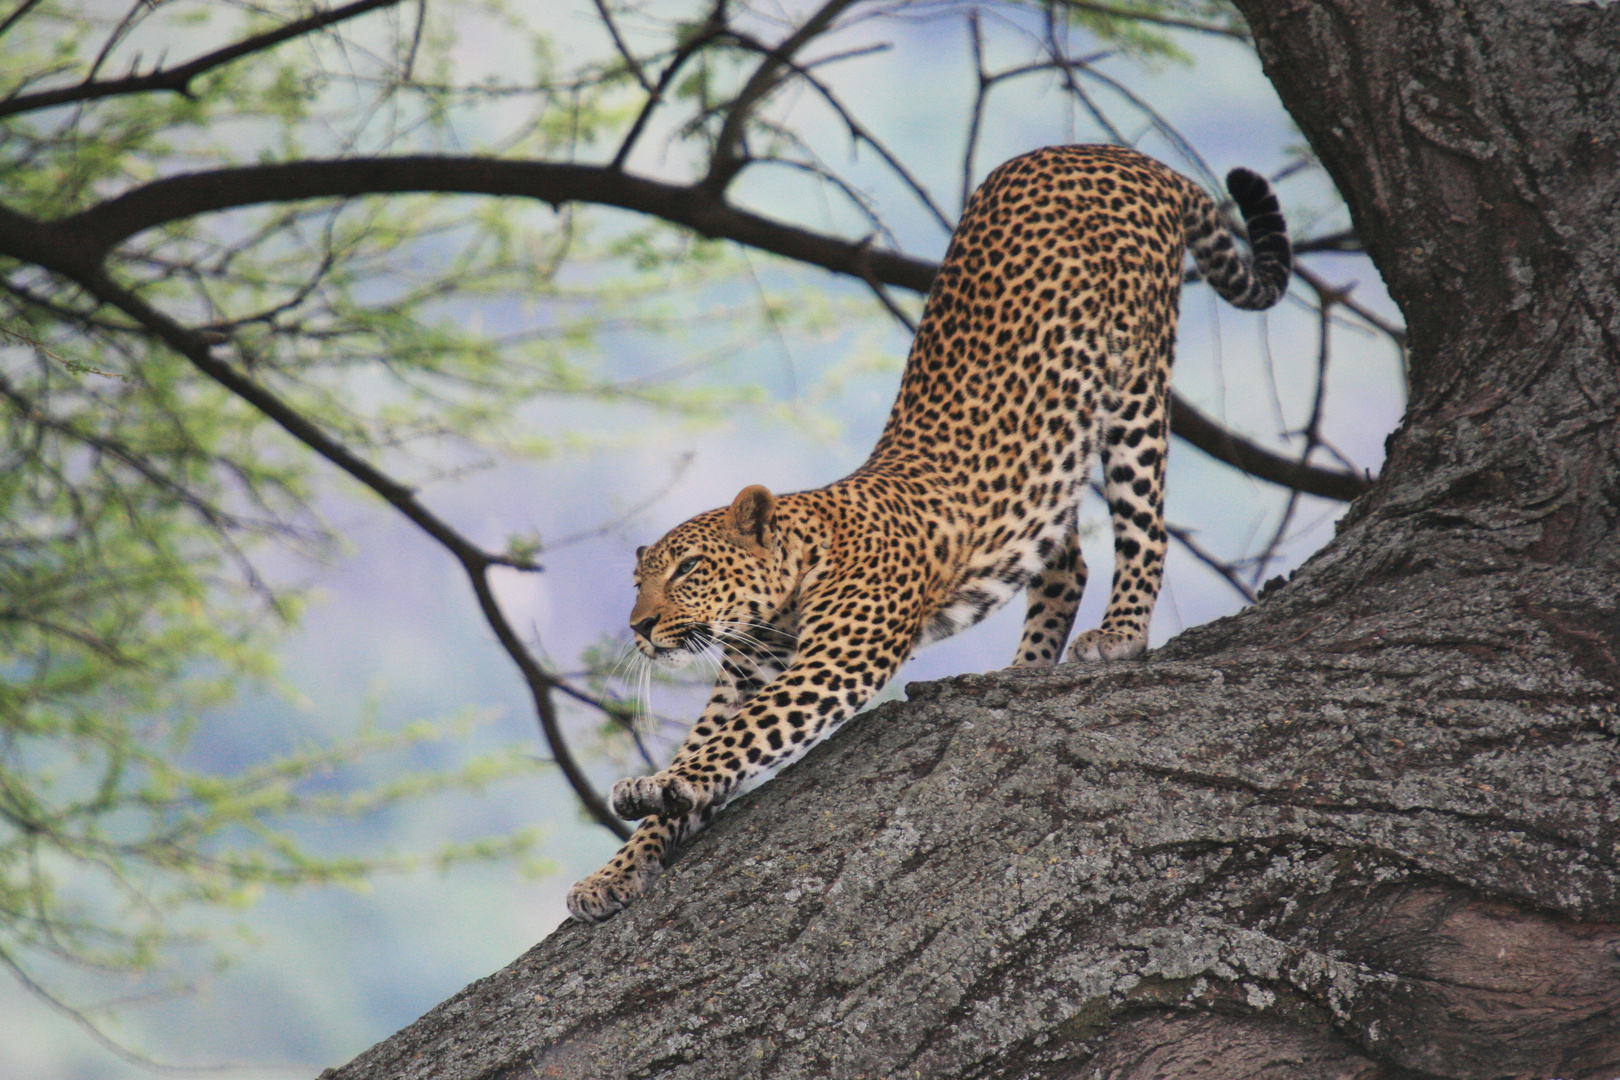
(1312, 431)
(91, 1028)
(1372, 318)
(976, 38)
(1222, 445)
(75, 244)
(860, 134)
(1345, 241)
(682, 463)
(132, 17)
(1223, 569)
(22, 9)
(221, 522)
(86, 237)
(1160, 124)
(1066, 65)
(655, 96)
(889, 305)
(727, 160)
(625, 54)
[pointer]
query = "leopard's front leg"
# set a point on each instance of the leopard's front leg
(840, 664)
(750, 662)
(665, 807)
(628, 874)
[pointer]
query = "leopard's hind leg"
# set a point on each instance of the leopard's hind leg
(1136, 438)
(1054, 596)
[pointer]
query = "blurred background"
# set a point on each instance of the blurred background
(271, 788)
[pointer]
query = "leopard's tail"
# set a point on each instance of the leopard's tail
(1256, 281)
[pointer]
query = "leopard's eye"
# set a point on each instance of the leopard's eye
(686, 567)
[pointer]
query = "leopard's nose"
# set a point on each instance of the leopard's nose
(644, 628)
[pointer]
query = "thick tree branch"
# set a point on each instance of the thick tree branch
(1482, 185)
(85, 238)
(1366, 850)
(98, 229)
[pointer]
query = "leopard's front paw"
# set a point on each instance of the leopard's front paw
(1095, 646)
(663, 794)
(611, 889)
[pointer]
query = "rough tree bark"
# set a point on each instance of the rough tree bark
(1367, 828)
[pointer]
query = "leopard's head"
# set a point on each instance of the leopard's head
(709, 579)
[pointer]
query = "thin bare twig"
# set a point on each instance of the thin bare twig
(1188, 152)
(22, 9)
(860, 134)
(676, 472)
(1224, 570)
(223, 524)
(137, 11)
(976, 117)
(713, 28)
(1372, 318)
(625, 54)
(1312, 430)
(91, 1028)
(889, 305)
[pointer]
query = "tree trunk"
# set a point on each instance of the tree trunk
(1367, 828)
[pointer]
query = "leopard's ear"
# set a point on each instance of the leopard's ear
(751, 521)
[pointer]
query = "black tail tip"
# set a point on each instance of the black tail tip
(1247, 187)
(1268, 232)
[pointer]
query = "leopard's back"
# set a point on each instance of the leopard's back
(1046, 343)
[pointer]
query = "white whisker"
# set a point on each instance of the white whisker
(644, 686)
(627, 653)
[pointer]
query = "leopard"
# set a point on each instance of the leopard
(1044, 347)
